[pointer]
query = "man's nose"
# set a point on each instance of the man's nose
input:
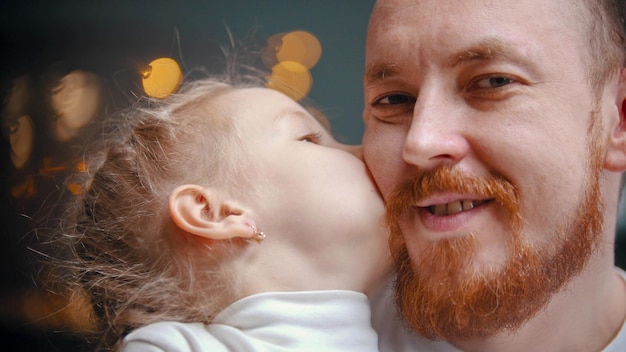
(436, 135)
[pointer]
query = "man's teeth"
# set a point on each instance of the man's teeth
(454, 207)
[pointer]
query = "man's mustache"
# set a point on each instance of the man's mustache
(424, 184)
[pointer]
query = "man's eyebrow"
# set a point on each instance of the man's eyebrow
(489, 49)
(379, 71)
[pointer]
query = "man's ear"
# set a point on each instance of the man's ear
(616, 152)
(203, 212)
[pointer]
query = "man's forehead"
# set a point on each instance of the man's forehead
(384, 6)
(472, 17)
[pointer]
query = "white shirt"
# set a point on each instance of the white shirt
(278, 321)
(396, 337)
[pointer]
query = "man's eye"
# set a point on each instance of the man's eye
(395, 99)
(492, 82)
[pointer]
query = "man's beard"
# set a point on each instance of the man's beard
(440, 297)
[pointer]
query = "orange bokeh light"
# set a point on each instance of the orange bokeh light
(291, 78)
(300, 46)
(161, 78)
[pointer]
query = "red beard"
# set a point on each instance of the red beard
(439, 297)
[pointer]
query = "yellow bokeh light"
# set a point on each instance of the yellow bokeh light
(162, 78)
(22, 140)
(300, 46)
(291, 78)
(75, 100)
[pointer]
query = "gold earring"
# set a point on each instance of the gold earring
(257, 236)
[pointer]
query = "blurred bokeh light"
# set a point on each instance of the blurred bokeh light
(291, 78)
(291, 56)
(161, 78)
(21, 138)
(300, 46)
(75, 101)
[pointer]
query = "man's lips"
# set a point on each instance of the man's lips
(454, 207)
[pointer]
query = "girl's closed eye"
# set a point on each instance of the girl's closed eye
(313, 137)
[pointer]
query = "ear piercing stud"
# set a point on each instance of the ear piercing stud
(258, 236)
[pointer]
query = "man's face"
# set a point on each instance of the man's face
(479, 119)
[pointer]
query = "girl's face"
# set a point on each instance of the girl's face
(314, 197)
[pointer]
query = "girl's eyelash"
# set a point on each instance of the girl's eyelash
(314, 137)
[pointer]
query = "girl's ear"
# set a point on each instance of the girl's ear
(203, 212)
(616, 152)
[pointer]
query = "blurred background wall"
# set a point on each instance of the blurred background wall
(67, 62)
